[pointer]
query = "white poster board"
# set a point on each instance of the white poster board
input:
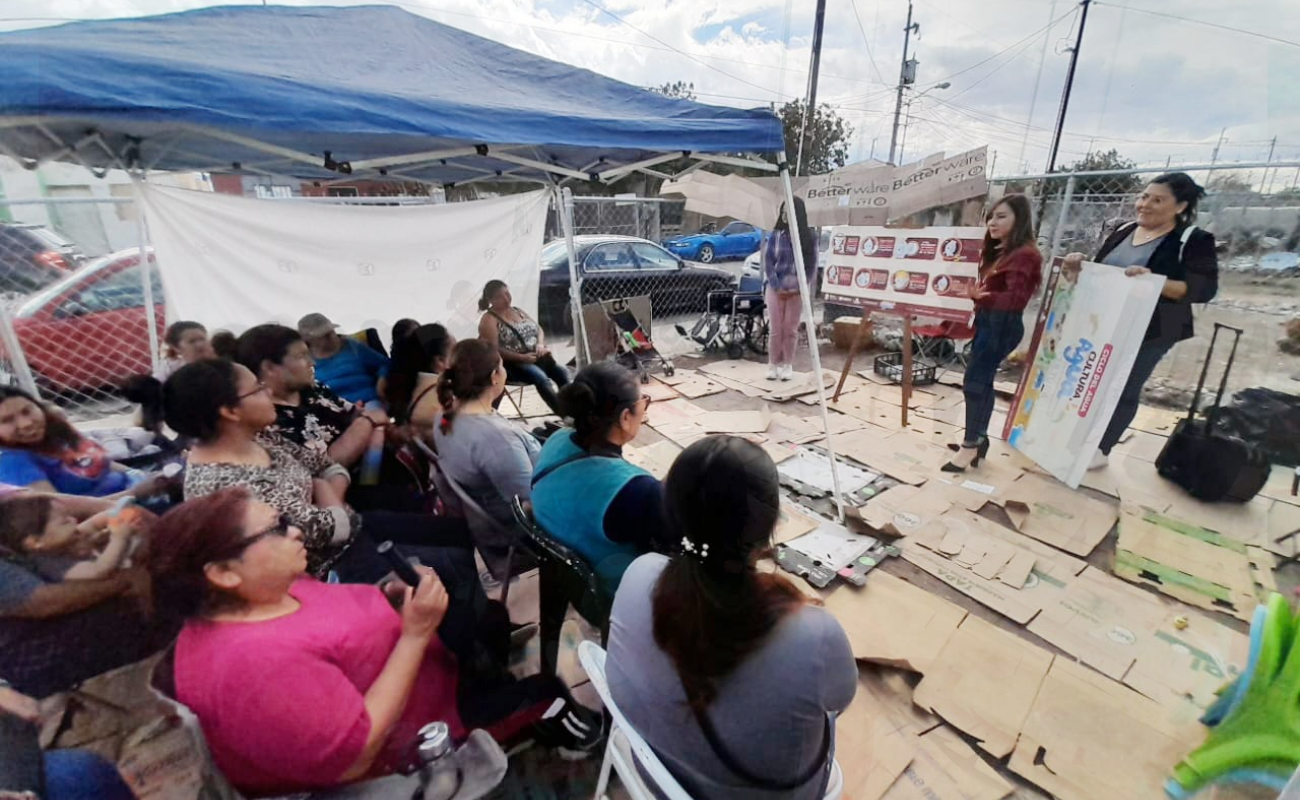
(1089, 339)
(916, 272)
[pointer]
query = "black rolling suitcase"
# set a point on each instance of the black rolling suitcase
(1212, 466)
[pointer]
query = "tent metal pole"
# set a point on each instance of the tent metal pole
(146, 278)
(806, 294)
(614, 173)
(17, 358)
(564, 205)
(748, 163)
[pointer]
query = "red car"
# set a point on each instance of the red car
(87, 331)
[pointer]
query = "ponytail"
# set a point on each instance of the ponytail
(473, 362)
(596, 399)
(147, 391)
(489, 289)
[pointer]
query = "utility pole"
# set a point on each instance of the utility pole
(810, 106)
(1268, 176)
(906, 77)
(1223, 137)
(1069, 86)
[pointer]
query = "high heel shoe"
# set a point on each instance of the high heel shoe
(981, 452)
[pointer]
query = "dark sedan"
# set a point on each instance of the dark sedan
(611, 267)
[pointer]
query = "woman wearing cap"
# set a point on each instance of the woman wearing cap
(1165, 241)
(726, 671)
(521, 342)
(354, 371)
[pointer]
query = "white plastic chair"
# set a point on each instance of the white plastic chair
(625, 747)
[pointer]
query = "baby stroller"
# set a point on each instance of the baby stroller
(636, 351)
(734, 318)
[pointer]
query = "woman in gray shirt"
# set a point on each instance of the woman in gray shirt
(724, 670)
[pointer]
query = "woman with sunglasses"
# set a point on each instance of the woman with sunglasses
(301, 685)
(227, 411)
(584, 493)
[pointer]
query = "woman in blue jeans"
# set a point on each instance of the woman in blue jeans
(521, 342)
(1010, 272)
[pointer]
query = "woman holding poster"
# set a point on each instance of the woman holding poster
(1163, 241)
(782, 279)
(1010, 272)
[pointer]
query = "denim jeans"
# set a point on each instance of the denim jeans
(541, 377)
(82, 775)
(997, 334)
(1149, 355)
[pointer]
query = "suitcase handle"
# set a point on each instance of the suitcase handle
(1212, 415)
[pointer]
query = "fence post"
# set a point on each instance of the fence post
(17, 359)
(1060, 222)
(146, 279)
(565, 196)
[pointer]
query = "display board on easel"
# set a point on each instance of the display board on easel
(907, 272)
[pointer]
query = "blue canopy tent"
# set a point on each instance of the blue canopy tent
(340, 93)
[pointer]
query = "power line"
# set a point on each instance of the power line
(999, 67)
(866, 45)
(1030, 37)
(1191, 21)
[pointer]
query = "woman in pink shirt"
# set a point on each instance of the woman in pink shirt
(300, 685)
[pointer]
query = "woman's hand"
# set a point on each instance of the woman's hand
(424, 606)
(1072, 266)
(977, 292)
(1136, 271)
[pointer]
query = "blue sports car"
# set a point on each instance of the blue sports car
(737, 240)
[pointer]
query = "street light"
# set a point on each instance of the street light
(908, 119)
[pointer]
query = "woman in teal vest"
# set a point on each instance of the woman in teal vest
(584, 493)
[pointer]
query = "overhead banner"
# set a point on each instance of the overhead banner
(1084, 347)
(916, 272)
(880, 194)
(233, 262)
(725, 196)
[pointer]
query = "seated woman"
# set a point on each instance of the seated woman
(521, 342)
(41, 450)
(264, 646)
(584, 493)
(66, 614)
(707, 682)
(412, 380)
(224, 408)
(489, 457)
(186, 342)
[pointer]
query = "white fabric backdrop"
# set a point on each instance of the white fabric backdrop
(234, 262)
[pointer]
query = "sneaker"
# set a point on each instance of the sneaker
(1099, 461)
(773, 372)
(787, 372)
(574, 732)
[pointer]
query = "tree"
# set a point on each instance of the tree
(678, 89)
(1107, 161)
(827, 144)
(1229, 182)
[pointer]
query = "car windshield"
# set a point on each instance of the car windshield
(555, 254)
(36, 301)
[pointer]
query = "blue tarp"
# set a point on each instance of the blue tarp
(359, 82)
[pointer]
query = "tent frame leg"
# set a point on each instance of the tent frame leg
(564, 205)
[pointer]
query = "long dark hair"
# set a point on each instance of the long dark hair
(489, 289)
(194, 395)
(1022, 232)
(596, 400)
(711, 607)
(1184, 190)
(413, 354)
(473, 362)
(59, 433)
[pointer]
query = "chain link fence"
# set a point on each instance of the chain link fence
(1254, 215)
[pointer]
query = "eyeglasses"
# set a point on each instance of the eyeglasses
(261, 387)
(280, 528)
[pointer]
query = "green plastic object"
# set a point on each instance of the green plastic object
(1262, 731)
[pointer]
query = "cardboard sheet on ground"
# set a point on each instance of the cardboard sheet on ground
(699, 386)
(1195, 565)
(904, 508)
(1186, 667)
(890, 621)
(789, 428)
(899, 455)
(1156, 421)
(944, 767)
(983, 683)
(1260, 522)
(655, 459)
(1142, 446)
(659, 392)
(1087, 737)
(876, 736)
(744, 421)
(1044, 509)
(1087, 348)
(889, 392)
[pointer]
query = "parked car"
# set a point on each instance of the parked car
(33, 256)
(622, 266)
(754, 264)
(87, 331)
(737, 240)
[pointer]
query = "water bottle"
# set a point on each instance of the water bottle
(440, 774)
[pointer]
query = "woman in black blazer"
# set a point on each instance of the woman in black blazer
(1163, 241)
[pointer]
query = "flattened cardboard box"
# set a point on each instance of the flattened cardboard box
(945, 768)
(656, 459)
(1193, 564)
(983, 683)
(1051, 512)
(1087, 738)
(874, 743)
(890, 621)
(900, 455)
(904, 509)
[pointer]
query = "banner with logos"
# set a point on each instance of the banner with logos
(878, 194)
(919, 272)
(1084, 347)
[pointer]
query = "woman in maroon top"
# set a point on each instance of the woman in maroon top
(1010, 273)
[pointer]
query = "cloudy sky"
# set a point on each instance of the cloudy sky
(1156, 80)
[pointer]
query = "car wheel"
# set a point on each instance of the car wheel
(706, 254)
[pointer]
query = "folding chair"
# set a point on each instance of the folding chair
(625, 748)
(944, 343)
(565, 579)
(494, 541)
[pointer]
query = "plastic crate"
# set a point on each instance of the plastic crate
(890, 365)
